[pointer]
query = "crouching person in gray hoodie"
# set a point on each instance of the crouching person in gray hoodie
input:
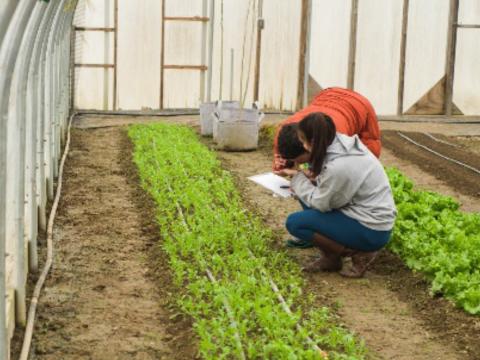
(348, 207)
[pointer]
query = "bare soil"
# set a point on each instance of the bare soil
(458, 177)
(109, 295)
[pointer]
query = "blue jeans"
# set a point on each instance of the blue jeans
(337, 227)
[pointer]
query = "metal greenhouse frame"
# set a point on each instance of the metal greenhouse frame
(34, 109)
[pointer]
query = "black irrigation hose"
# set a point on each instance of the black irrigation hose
(438, 154)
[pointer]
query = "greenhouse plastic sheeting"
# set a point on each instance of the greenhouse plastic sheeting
(34, 108)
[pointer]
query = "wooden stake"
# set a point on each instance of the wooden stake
(403, 51)
(162, 55)
(73, 37)
(302, 54)
(450, 61)
(353, 45)
(203, 55)
(115, 54)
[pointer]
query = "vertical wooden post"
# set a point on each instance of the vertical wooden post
(162, 55)
(306, 77)
(353, 45)
(211, 26)
(106, 57)
(302, 53)
(258, 51)
(115, 55)
(203, 50)
(73, 37)
(450, 61)
(403, 51)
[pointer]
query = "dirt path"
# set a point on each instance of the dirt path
(385, 316)
(102, 299)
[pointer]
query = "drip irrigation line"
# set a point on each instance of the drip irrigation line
(272, 284)
(210, 276)
(434, 138)
(230, 313)
(438, 154)
(287, 309)
(27, 340)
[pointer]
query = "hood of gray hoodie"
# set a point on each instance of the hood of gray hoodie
(343, 145)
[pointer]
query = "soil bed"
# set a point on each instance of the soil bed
(458, 177)
(109, 293)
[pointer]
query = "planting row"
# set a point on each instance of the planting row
(230, 281)
(432, 236)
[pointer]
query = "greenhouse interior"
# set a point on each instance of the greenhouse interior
(325, 206)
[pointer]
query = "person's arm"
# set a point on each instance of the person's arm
(333, 190)
(278, 162)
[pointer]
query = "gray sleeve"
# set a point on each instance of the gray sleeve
(333, 189)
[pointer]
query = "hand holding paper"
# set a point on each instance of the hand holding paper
(275, 183)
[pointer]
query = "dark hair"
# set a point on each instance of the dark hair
(289, 145)
(319, 131)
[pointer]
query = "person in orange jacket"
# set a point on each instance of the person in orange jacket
(351, 113)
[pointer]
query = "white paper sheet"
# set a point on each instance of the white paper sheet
(274, 183)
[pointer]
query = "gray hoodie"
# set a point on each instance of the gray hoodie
(353, 181)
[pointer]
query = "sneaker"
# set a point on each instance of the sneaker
(299, 243)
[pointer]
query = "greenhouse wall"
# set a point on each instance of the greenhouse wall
(378, 51)
(139, 48)
(34, 108)
(134, 80)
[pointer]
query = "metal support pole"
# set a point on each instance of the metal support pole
(42, 118)
(8, 55)
(50, 101)
(450, 60)
(353, 45)
(232, 72)
(18, 103)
